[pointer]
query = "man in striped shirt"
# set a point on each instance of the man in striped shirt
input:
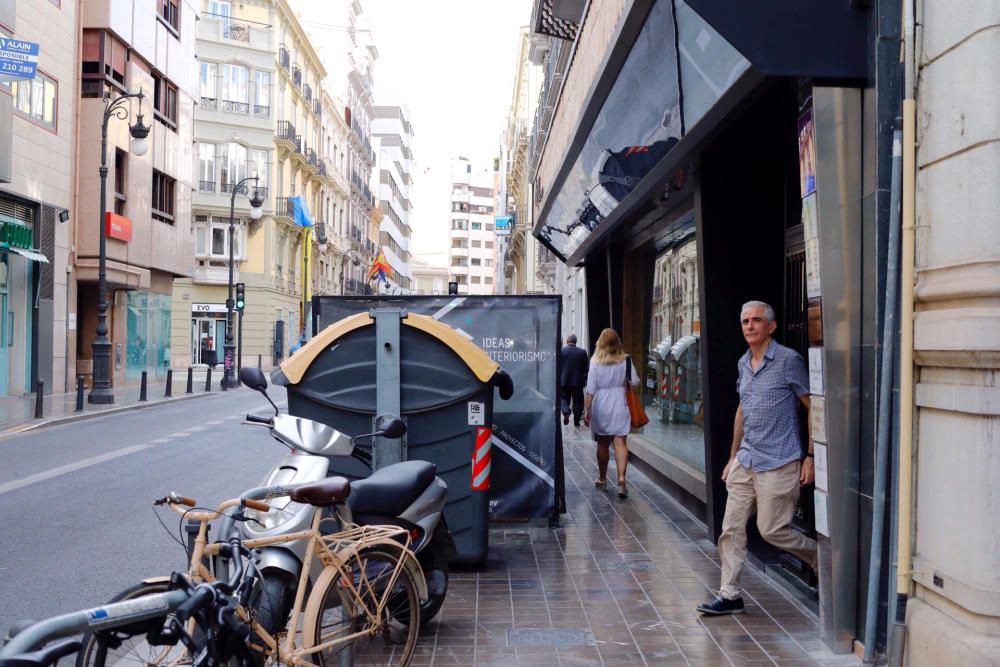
(766, 465)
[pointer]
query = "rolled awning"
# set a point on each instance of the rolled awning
(33, 255)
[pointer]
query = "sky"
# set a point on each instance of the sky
(452, 62)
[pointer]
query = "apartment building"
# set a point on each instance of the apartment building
(345, 42)
(259, 117)
(37, 232)
(150, 49)
(393, 136)
(472, 255)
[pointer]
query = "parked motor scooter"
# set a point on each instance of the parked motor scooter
(407, 494)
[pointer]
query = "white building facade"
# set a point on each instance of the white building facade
(472, 255)
(393, 136)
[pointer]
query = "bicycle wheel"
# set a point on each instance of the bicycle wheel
(127, 647)
(391, 636)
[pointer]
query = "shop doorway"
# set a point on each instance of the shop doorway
(208, 335)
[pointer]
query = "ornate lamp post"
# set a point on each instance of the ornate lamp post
(102, 392)
(229, 379)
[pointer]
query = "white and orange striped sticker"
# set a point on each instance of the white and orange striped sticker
(481, 459)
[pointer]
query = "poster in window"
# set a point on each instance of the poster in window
(810, 233)
(807, 154)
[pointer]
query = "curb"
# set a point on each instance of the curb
(56, 421)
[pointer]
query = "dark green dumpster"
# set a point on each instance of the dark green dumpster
(441, 384)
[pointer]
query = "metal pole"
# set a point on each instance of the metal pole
(79, 393)
(39, 398)
(142, 387)
(170, 383)
(227, 366)
(239, 346)
(208, 379)
(101, 391)
(190, 382)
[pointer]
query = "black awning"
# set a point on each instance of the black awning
(821, 39)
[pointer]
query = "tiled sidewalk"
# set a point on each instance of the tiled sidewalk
(615, 585)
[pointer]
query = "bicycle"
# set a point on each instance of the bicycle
(369, 589)
(166, 618)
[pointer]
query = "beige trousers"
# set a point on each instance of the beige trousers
(773, 493)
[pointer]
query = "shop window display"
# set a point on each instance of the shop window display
(673, 379)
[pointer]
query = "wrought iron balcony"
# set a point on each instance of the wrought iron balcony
(209, 103)
(307, 92)
(235, 106)
(284, 57)
(297, 75)
(206, 186)
(236, 31)
(261, 110)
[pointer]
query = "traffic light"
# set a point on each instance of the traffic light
(241, 299)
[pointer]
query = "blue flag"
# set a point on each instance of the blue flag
(300, 214)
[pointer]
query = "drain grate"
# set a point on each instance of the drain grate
(634, 565)
(548, 637)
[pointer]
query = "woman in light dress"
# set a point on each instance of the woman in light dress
(604, 407)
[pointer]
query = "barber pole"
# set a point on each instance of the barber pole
(481, 459)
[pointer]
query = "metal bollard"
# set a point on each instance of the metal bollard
(258, 362)
(79, 394)
(142, 387)
(170, 383)
(39, 397)
(190, 385)
(208, 379)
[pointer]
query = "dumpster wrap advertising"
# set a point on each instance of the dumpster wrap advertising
(520, 458)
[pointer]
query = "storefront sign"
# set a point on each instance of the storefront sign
(502, 225)
(810, 234)
(15, 234)
(820, 505)
(208, 308)
(816, 371)
(820, 466)
(117, 227)
(817, 417)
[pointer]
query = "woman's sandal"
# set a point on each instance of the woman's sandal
(622, 490)
(601, 484)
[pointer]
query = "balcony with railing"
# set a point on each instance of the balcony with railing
(262, 110)
(206, 186)
(354, 286)
(236, 106)
(285, 136)
(307, 92)
(297, 75)
(284, 57)
(317, 107)
(208, 104)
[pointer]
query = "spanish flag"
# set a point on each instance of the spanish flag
(380, 266)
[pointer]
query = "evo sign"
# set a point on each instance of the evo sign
(18, 58)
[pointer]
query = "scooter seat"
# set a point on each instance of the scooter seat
(392, 489)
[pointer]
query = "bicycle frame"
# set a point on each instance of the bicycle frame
(335, 552)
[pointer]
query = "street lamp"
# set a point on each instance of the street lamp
(101, 391)
(355, 260)
(229, 379)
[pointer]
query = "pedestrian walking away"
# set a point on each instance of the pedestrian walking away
(766, 463)
(604, 407)
(572, 380)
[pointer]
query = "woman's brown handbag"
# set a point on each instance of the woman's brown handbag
(635, 409)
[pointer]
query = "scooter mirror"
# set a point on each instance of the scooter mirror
(253, 378)
(504, 384)
(390, 426)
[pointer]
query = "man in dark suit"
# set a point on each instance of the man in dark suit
(572, 379)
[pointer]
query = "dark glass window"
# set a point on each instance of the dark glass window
(163, 197)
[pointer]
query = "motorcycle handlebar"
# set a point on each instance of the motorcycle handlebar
(254, 419)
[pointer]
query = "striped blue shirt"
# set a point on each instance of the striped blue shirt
(770, 400)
